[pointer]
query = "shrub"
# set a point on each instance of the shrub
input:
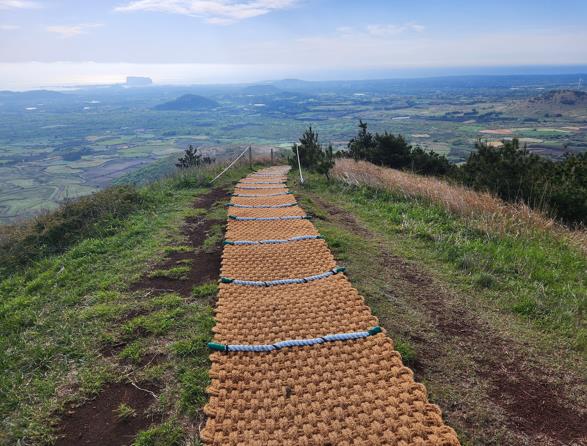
(515, 174)
(394, 151)
(52, 233)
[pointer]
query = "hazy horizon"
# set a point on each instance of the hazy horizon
(57, 75)
(50, 43)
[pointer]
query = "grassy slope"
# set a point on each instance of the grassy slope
(59, 316)
(473, 315)
(541, 278)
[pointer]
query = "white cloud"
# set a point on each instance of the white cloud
(18, 4)
(213, 11)
(9, 27)
(67, 31)
(393, 30)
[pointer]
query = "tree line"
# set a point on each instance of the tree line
(511, 171)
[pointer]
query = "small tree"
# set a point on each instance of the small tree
(361, 146)
(192, 158)
(309, 148)
(311, 154)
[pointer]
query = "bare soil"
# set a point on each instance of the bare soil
(204, 267)
(95, 423)
(494, 387)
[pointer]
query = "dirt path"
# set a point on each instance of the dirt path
(96, 423)
(494, 388)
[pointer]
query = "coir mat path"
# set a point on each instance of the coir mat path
(344, 392)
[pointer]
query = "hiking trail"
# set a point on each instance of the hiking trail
(299, 359)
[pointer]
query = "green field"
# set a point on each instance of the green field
(41, 150)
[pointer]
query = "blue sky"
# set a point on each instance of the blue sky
(232, 40)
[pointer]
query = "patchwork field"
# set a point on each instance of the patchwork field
(69, 144)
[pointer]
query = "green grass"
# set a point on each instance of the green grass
(58, 316)
(539, 277)
(213, 238)
(176, 272)
(167, 434)
(205, 290)
(437, 309)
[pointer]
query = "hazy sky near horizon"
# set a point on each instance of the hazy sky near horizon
(73, 41)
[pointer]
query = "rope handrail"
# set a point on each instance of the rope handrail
(229, 166)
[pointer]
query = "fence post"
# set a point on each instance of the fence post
(272, 156)
(250, 157)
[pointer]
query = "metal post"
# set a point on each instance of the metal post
(272, 156)
(250, 157)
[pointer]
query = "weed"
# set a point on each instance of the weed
(406, 350)
(132, 352)
(485, 280)
(166, 434)
(125, 412)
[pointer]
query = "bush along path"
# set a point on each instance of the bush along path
(298, 357)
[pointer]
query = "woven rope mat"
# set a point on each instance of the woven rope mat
(264, 201)
(339, 393)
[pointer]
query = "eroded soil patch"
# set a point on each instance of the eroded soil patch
(204, 266)
(97, 422)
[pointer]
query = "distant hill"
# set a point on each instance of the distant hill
(32, 95)
(562, 98)
(554, 102)
(188, 102)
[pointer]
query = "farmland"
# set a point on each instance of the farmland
(55, 145)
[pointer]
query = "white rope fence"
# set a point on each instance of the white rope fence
(230, 165)
(300, 165)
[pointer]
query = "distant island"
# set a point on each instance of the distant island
(138, 81)
(188, 102)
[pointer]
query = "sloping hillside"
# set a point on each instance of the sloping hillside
(568, 102)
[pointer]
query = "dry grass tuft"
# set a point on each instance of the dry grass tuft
(489, 213)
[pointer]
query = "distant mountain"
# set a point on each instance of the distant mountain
(188, 102)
